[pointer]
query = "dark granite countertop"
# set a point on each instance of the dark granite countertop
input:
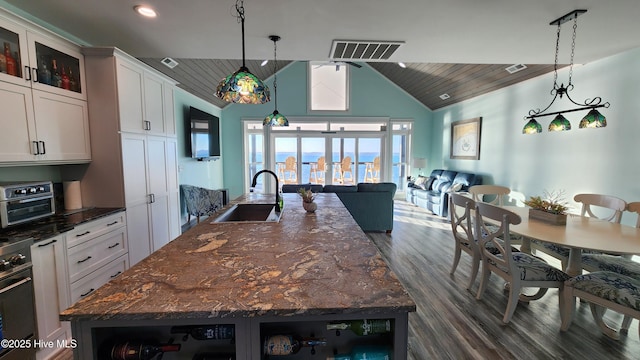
(45, 228)
(307, 264)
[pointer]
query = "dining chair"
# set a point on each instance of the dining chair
(495, 192)
(318, 170)
(460, 209)
(290, 171)
(339, 173)
(609, 208)
(621, 264)
(518, 269)
(602, 290)
(496, 195)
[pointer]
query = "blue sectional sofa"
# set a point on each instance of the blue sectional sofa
(433, 193)
(371, 205)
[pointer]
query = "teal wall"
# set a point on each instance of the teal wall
(577, 161)
(206, 174)
(371, 95)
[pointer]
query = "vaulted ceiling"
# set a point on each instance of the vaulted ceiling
(458, 47)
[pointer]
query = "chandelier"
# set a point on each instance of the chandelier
(593, 119)
(242, 87)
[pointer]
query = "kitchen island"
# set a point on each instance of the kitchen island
(292, 277)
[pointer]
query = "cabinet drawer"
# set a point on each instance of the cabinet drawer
(91, 282)
(95, 228)
(97, 252)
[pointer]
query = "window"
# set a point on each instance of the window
(254, 150)
(328, 86)
(401, 139)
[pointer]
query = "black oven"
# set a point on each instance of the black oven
(24, 202)
(17, 310)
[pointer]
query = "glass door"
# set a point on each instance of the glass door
(369, 160)
(314, 164)
(286, 160)
(343, 160)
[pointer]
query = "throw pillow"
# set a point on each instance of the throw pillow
(420, 180)
(455, 187)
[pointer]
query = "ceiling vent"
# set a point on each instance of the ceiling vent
(169, 62)
(444, 96)
(515, 68)
(363, 50)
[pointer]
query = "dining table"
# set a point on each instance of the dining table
(580, 232)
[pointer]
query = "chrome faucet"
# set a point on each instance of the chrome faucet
(255, 179)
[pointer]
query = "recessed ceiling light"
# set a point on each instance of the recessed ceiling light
(444, 96)
(145, 11)
(402, 65)
(264, 62)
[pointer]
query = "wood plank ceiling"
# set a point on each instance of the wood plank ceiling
(425, 82)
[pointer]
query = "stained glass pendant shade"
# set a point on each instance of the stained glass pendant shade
(560, 123)
(532, 127)
(275, 118)
(242, 87)
(593, 120)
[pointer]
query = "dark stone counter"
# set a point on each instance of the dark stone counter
(45, 228)
(307, 264)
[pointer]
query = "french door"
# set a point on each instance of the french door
(328, 158)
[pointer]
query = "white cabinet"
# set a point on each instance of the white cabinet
(134, 149)
(146, 100)
(96, 253)
(47, 121)
(51, 287)
(42, 60)
(150, 182)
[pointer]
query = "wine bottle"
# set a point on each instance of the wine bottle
(64, 82)
(56, 79)
(9, 60)
(372, 352)
(44, 73)
(363, 327)
(207, 332)
(290, 344)
(3, 63)
(140, 350)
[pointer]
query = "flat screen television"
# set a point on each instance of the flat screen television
(203, 132)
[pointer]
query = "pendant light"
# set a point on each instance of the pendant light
(593, 119)
(275, 118)
(242, 87)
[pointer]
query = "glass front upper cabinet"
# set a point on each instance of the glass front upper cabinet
(47, 64)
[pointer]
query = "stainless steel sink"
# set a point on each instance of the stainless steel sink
(249, 213)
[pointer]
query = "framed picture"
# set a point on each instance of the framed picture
(465, 139)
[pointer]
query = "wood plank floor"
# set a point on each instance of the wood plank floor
(450, 324)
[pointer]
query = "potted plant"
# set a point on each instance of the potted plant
(550, 208)
(307, 199)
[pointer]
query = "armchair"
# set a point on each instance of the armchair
(201, 201)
